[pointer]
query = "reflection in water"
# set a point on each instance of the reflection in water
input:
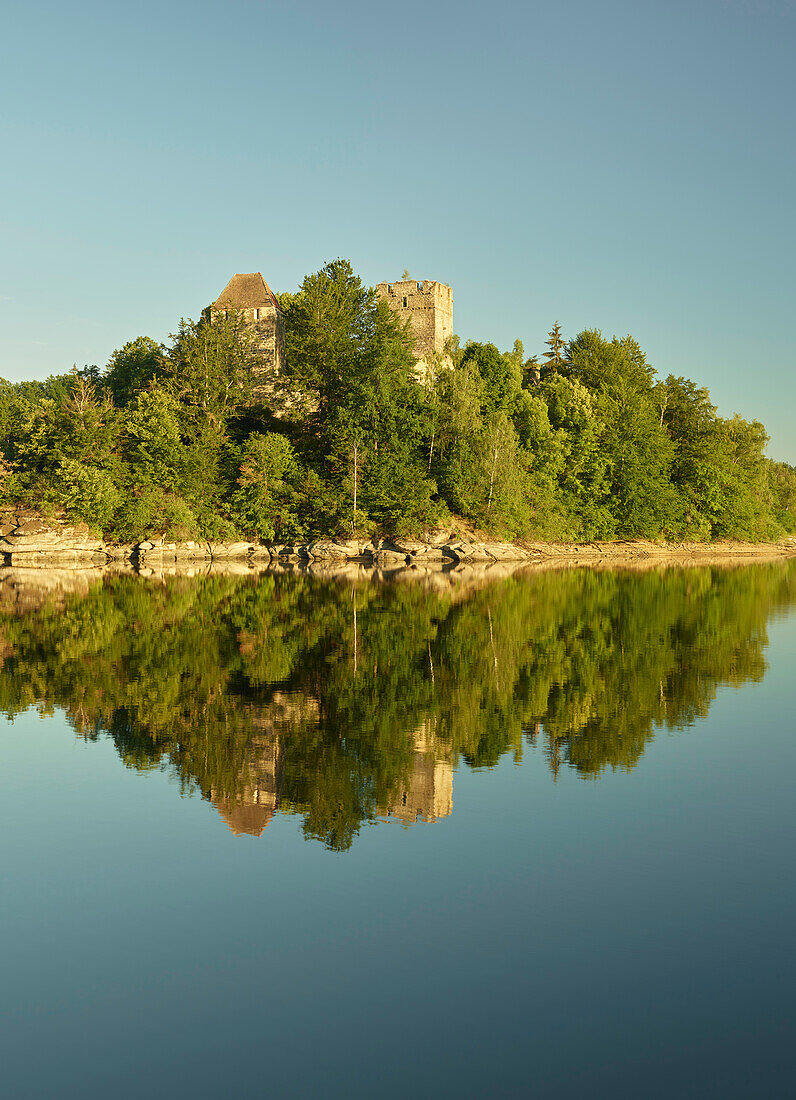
(344, 703)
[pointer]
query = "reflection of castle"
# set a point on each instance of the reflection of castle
(426, 792)
(248, 805)
(257, 797)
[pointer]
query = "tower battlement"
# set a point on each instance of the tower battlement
(427, 305)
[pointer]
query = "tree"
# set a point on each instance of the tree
(557, 357)
(637, 450)
(351, 360)
(134, 367)
(265, 501)
(209, 368)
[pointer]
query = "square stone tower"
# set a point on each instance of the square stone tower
(428, 306)
(252, 296)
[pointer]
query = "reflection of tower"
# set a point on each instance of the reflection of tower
(426, 792)
(256, 797)
(249, 807)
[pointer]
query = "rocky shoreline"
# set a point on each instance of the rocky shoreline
(28, 540)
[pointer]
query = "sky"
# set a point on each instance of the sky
(625, 165)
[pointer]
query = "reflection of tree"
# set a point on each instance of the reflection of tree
(341, 704)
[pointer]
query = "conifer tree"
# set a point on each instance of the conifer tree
(558, 354)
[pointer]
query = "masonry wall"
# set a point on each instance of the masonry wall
(427, 305)
(268, 329)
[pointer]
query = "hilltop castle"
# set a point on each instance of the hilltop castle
(252, 296)
(426, 304)
(428, 307)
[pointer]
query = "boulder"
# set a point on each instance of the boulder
(389, 557)
(230, 549)
(428, 553)
(401, 545)
(326, 550)
(294, 550)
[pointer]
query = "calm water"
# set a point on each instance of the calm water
(384, 839)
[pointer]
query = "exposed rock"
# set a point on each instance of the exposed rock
(192, 550)
(120, 551)
(506, 551)
(428, 553)
(389, 557)
(403, 546)
(47, 542)
(294, 550)
(47, 559)
(326, 549)
(230, 549)
(465, 551)
(32, 527)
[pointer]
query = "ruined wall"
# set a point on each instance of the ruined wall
(427, 305)
(268, 328)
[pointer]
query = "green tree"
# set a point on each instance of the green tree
(351, 361)
(133, 368)
(637, 450)
(557, 355)
(209, 368)
(265, 502)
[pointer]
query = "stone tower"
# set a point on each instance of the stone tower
(252, 296)
(428, 306)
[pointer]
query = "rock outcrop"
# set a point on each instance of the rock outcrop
(32, 541)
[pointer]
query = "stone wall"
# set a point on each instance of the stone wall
(427, 305)
(267, 327)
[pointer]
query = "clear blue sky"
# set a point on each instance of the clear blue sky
(626, 165)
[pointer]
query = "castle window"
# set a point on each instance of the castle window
(257, 315)
(419, 286)
(404, 303)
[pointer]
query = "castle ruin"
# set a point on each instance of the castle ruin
(251, 296)
(428, 307)
(426, 304)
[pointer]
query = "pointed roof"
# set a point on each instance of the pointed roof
(244, 818)
(249, 291)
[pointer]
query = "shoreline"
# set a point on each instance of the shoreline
(26, 584)
(33, 546)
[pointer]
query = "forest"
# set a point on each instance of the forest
(582, 442)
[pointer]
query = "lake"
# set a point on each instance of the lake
(531, 836)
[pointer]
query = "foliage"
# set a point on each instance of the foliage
(591, 445)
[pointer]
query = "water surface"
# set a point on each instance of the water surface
(344, 839)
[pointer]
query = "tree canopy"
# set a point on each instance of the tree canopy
(178, 439)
